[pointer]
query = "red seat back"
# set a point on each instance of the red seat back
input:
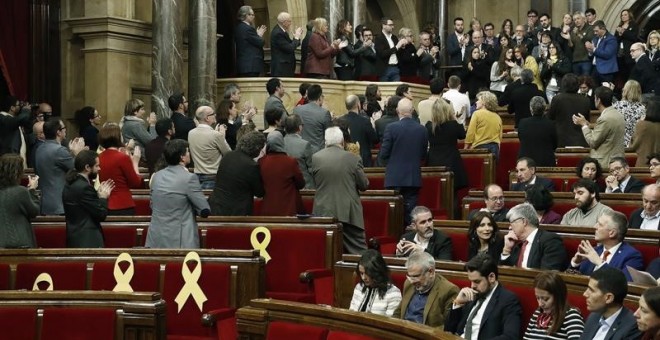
(649, 252)
(507, 161)
(51, 237)
(18, 322)
(4, 276)
(120, 237)
(430, 196)
(281, 330)
(78, 323)
(146, 276)
(65, 275)
(578, 301)
(142, 205)
(527, 299)
(459, 246)
(376, 218)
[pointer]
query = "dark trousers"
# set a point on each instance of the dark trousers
(354, 239)
(410, 196)
(391, 74)
(344, 73)
(122, 212)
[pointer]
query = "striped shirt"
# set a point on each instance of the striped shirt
(571, 328)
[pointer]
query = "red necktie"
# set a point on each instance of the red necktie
(522, 253)
(605, 255)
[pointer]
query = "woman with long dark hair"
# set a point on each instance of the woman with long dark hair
(345, 61)
(555, 318)
(18, 204)
(227, 113)
(648, 314)
(589, 168)
(484, 236)
(88, 121)
(375, 292)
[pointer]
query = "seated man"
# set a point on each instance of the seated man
(427, 295)
(608, 318)
(588, 207)
(526, 173)
(485, 310)
(424, 237)
(620, 180)
(647, 217)
(527, 246)
(494, 199)
(612, 251)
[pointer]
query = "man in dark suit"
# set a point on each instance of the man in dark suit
(485, 310)
(612, 250)
(487, 51)
(282, 47)
(387, 44)
(522, 95)
(361, 128)
(404, 149)
(339, 176)
(84, 207)
(315, 118)
(249, 44)
(13, 121)
(526, 175)
(647, 217)
(494, 199)
(546, 26)
(620, 180)
(424, 238)
(366, 62)
(527, 246)
(609, 318)
(182, 123)
(275, 89)
(456, 44)
(644, 70)
(604, 49)
(429, 57)
(562, 108)
(427, 296)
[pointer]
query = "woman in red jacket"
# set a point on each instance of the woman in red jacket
(121, 165)
(320, 58)
(282, 180)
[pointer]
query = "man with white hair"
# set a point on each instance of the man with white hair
(339, 175)
(207, 146)
(648, 216)
(403, 150)
(282, 47)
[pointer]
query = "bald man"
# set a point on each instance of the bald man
(648, 216)
(403, 150)
(207, 146)
(38, 133)
(282, 47)
(644, 71)
(362, 129)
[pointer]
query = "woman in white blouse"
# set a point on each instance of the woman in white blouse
(374, 293)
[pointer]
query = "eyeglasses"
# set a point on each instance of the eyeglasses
(634, 49)
(210, 114)
(496, 199)
(62, 128)
(517, 219)
(97, 116)
(616, 169)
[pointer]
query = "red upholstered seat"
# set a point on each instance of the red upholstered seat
(459, 282)
(578, 301)
(65, 275)
(430, 196)
(142, 206)
(562, 208)
(145, 276)
(398, 279)
(18, 322)
(215, 282)
(527, 300)
(78, 323)
(292, 252)
(4, 276)
(376, 217)
(474, 167)
(569, 159)
(337, 335)
(507, 161)
(120, 237)
(280, 330)
(571, 245)
(376, 183)
(51, 237)
(459, 246)
(649, 252)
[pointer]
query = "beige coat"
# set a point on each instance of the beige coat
(606, 138)
(646, 140)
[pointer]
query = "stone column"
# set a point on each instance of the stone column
(202, 54)
(333, 12)
(357, 10)
(167, 58)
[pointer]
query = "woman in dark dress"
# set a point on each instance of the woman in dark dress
(227, 112)
(538, 135)
(477, 72)
(444, 132)
(88, 120)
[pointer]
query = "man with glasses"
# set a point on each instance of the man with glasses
(53, 161)
(485, 310)
(527, 246)
(182, 123)
(580, 34)
(494, 199)
(533, 25)
(427, 296)
(620, 180)
(12, 125)
(521, 39)
(644, 71)
(365, 63)
(387, 45)
(207, 146)
(424, 238)
(249, 44)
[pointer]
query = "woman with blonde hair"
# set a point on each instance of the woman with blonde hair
(407, 55)
(320, 59)
(444, 132)
(631, 107)
(485, 129)
(132, 125)
(652, 45)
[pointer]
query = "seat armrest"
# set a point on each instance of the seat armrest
(377, 242)
(210, 318)
(310, 275)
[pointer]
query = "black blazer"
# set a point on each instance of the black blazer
(547, 252)
(633, 186)
(427, 64)
(624, 327)
(408, 61)
(383, 51)
(520, 98)
(182, 125)
(501, 318)
(362, 132)
(10, 134)
(84, 212)
(562, 109)
(538, 140)
(635, 220)
(237, 182)
(366, 63)
(439, 244)
(454, 50)
(646, 74)
(249, 49)
(547, 183)
(282, 53)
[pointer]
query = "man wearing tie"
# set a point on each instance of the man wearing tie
(609, 319)
(612, 251)
(485, 310)
(527, 246)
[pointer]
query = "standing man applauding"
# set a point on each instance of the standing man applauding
(249, 44)
(282, 47)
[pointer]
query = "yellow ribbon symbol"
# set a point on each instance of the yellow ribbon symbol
(43, 277)
(123, 279)
(263, 244)
(191, 287)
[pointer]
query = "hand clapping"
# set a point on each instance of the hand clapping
(105, 188)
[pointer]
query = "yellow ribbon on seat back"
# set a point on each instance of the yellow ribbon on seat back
(261, 246)
(123, 279)
(43, 277)
(191, 287)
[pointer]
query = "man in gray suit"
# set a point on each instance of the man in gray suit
(276, 91)
(339, 175)
(52, 162)
(314, 117)
(176, 197)
(609, 318)
(298, 148)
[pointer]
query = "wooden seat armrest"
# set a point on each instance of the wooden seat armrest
(210, 318)
(377, 241)
(310, 275)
